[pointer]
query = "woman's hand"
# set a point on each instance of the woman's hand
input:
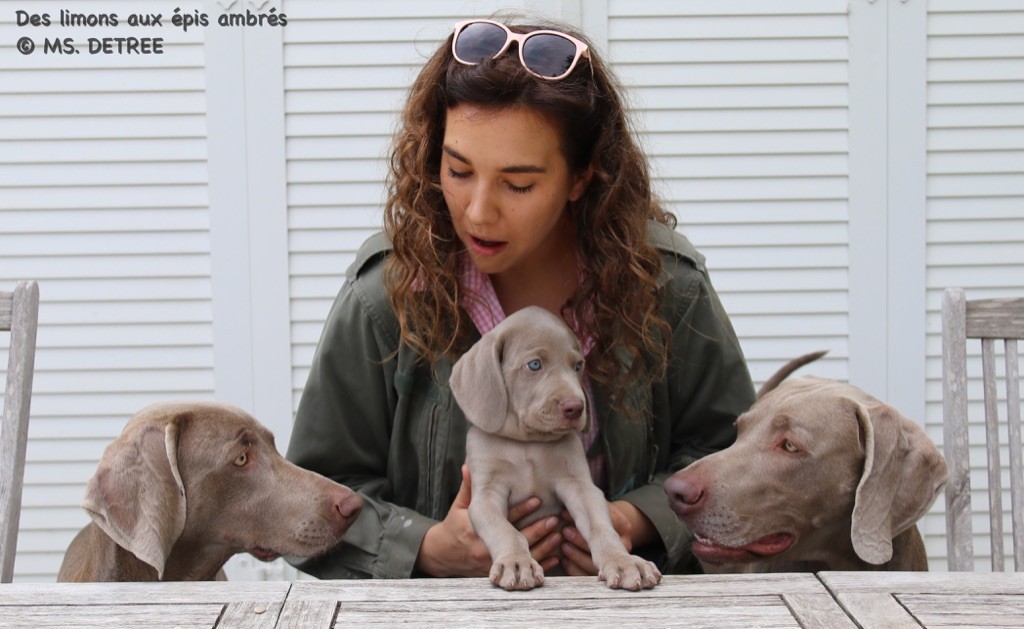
(630, 523)
(451, 548)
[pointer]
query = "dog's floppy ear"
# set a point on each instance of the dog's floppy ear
(137, 496)
(479, 385)
(903, 474)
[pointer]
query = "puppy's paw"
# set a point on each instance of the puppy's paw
(629, 572)
(517, 572)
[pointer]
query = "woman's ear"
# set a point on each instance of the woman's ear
(580, 183)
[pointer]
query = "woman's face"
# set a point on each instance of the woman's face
(507, 185)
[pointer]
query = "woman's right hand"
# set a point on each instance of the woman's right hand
(451, 548)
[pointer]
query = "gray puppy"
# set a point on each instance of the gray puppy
(521, 388)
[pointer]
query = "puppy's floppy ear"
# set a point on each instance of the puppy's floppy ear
(479, 385)
(903, 474)
(137, 496)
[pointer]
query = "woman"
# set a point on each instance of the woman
(515, 181)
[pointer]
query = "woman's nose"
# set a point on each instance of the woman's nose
(482, 208)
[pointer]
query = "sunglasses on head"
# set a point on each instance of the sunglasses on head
(549, 55)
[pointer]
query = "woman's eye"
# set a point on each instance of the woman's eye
(579, 366)
(533, 365)
(520, 189)
(242, 459)
(790, 446)
(456, 174)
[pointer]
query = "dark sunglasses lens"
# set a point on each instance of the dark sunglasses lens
(479, 41)
(548, 55)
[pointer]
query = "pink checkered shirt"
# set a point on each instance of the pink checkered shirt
(481, 302)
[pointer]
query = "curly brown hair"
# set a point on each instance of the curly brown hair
(617, 302)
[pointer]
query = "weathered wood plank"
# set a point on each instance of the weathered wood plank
(939, 583)
(249, 616)
(957, 611)
(14, 422)
(818, 611)
(704, 600)
(995, 488)
(754, 611)
(109, 616)
(879, 610)
(307, 615)
(1016, 454)
(1009, 604)
(5, 310)
(556, 588)
(215, 592)
(995, 318)
(959, 549)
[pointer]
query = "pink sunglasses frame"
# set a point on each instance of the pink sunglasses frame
(582, 50)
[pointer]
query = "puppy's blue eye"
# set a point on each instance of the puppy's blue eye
(533, 365)
(579, 366)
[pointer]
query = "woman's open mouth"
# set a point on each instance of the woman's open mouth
(486, 247)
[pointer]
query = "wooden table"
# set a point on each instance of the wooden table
(830, 600)
(930, 599)
(120, 605)
(776, 600)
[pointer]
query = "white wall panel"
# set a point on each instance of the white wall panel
(743, 109)
(103, 201)
(975, 205)
(348, 66)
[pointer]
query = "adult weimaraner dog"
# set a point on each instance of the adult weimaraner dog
(822, 476)
(521, 389)
(189, 484)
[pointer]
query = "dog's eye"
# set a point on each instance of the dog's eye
(790, 446)
(579, 366)
(533, 365)
(242, 459)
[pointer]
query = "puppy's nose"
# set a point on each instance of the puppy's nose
(571, 408)
(685, 495)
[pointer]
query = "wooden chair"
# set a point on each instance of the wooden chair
(19, 314)
(988, 320)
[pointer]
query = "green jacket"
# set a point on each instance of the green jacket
(389, 430)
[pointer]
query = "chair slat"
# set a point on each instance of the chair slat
(6, 303)
(995, 318)
(1016, 463)
(14, 431)
(995, 486)
(959, 534)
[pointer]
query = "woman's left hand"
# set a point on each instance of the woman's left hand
(576, 559)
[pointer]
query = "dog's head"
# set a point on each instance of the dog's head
(814, 460)
(524, 379)
(209, 475)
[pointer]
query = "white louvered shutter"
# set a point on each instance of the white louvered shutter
(348, 67)
(743, 107)
(975, 236)
(103, 201)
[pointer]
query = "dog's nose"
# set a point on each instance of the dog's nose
(684, 494)
(571, 408)
(347, 504)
